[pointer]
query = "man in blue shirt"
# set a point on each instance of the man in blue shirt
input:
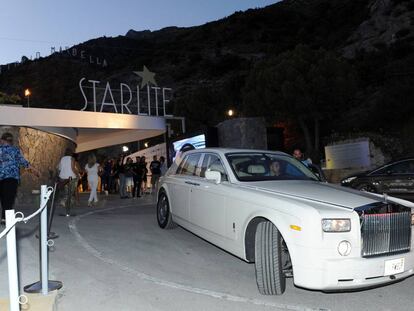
(11, 159)
(297, 153)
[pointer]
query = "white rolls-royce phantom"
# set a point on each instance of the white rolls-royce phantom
(268, 208)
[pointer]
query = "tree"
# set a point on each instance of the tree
(200, 106)
(304, 85)
(6, 99)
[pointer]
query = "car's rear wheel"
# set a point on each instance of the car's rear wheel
(164, 217)
(366, 188)
(268, 260)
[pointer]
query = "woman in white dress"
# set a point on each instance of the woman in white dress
(92, 168)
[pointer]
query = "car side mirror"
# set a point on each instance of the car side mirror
(213, 175)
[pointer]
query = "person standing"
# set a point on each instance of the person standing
(129, 175)
(298, 154)
(11, 159)
(106, 176)
(163, 167)
(155, 167)
(68, 180)
(92, 168)
(144, 169)
(77, 166)
(122, 178)
(136, 191)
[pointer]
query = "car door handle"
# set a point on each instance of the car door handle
(192, 183)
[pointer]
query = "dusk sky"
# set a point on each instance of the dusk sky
(27, 27)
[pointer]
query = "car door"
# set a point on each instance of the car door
(396, 179)
(180, 185)
(208, 199)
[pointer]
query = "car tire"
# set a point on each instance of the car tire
(164, 217)
(366, 188)
(270, 278)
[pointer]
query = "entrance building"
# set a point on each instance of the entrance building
(44, 134)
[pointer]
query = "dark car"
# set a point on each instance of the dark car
(395, 178)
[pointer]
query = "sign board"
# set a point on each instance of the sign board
(350, 155)
(146, 98)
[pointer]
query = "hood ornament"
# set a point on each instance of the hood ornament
(385, 196)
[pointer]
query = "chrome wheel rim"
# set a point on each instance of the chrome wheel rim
(162, 210)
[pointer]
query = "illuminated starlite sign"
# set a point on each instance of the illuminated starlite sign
(147, 98)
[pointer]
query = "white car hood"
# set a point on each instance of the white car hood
(316, 192)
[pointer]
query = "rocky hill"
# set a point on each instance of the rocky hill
(208, 65)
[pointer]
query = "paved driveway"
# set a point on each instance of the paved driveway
(114, 257)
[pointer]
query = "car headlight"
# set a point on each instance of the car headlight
(336, 225)
(348, 180)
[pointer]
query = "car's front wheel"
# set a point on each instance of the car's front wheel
(164, 217)
(268, 260)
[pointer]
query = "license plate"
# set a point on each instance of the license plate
(394, 266)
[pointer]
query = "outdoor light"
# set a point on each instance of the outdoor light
(125, 148)
(230, 112)
(27, 94)
(146, 145)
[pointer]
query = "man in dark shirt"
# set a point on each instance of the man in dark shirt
(155, 167)
(138, 175)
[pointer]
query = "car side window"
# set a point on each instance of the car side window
(404, 167)
(292, 170)
(189, 165)
(213, 163)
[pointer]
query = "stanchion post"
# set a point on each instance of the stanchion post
(44, 285)
(43, 241)
(12, 262)
(51, 234)
(69, 197)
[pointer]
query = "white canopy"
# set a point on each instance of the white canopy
(89, 130)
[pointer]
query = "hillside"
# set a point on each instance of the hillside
(211, 62)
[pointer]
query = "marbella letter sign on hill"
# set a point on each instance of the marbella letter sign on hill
(148, 99)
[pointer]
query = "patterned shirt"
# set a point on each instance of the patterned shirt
(10, 161)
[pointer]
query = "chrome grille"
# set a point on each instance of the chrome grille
(385, 234)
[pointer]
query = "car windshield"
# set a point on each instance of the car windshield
(268, 166)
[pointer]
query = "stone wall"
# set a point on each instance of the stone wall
(43, 151)
(249, 133)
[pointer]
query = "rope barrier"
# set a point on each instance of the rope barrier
(20, 216)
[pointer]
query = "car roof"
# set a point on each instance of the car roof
(224, 151)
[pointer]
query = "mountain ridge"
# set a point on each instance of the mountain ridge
(375, 37)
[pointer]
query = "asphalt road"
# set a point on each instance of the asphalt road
(115, 257)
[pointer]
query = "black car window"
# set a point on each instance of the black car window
(403, 167)
(189, 165)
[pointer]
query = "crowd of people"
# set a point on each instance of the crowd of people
(121, 175)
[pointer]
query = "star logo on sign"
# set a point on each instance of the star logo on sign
(147, 77)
